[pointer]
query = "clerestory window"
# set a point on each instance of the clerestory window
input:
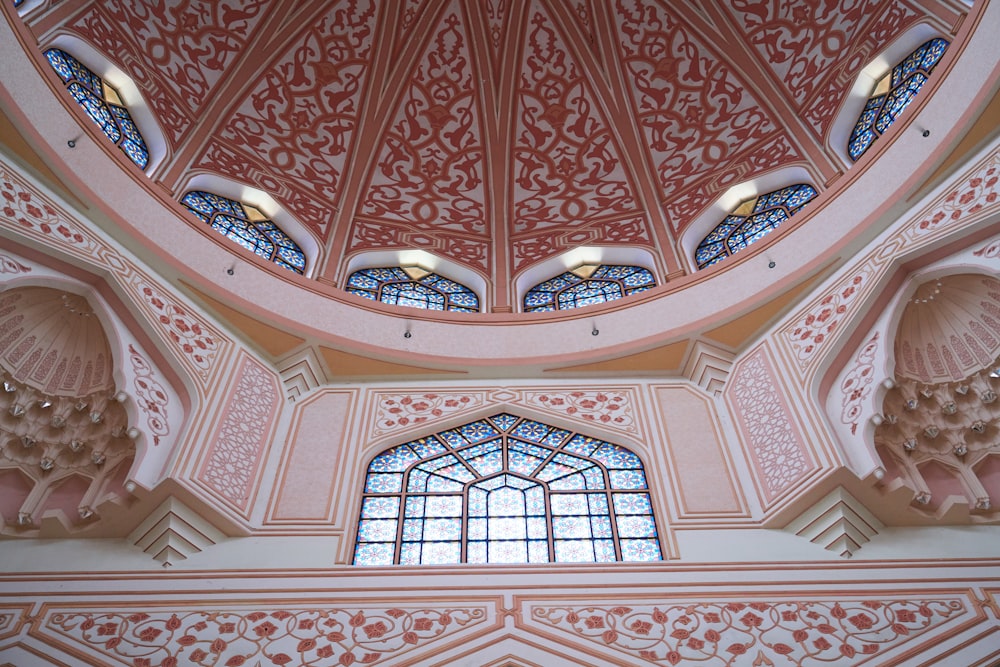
(412, 286)
(587, 285)
(102, 103)
(892, 94)
(506, 489)
(751, 221)
(247, 226)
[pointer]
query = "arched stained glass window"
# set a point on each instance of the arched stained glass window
(892, 94)
(102, 104)
(586, 285)
(506, 490)
(247, 226)
(751, 221)
(412, 286)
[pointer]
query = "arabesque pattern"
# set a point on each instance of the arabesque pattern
(303, 637)
(794, 632)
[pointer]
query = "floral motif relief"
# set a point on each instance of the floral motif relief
(989, 251)
(857, 384)
(798, 39)
(400, 411)
(239, 443)
(190, 334)
(23, 209)
(300, 637)
(810, 330)
(696, 113)
(150, 395)
(536, 247)
(567, 168)
(11, 265)
(767, 633)
(429, 173)
(497, 13)
(303, 113)
(195, 42)
(609, 408)
(775, 447)
(379, 235)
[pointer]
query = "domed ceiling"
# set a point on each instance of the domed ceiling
(495, 133)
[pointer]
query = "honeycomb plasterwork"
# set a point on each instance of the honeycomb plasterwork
(811, 329)
(30, 213)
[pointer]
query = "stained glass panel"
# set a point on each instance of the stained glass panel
(576, 289)
(505, 490)
(736, 232)
(429, 291)
(100, 101)
(884, 107)
(258, 235)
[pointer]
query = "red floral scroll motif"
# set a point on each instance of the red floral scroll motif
(697, 115)
(535, 247)
(400, 411)
(429, 173)
(11, 265)
(609, 408)
(300, 119)
(737, 633)
(799, 40)
(567, 167)
(857, 384)
(298, 637)
(24, 210)
(150, 395)
(238, 446)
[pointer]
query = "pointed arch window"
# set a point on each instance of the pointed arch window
(892, 94)
(587, 285)
(506, 489)
(102, 103)
(751, 221)
(412, 286)
(248, 227)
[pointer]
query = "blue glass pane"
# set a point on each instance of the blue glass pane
(261, 237)
(881, 111)
(737, 232)
(392, 285)
(509, 492)
(88, 90)
(607, 283)
(504, 421)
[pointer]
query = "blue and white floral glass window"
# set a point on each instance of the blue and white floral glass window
(506, 489)
(752, 221)
(248, 227)
(892, 94)
(587, 285)
(102, 103)
(412, 286)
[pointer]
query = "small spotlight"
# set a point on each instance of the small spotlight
(771, 264)
(230, 270)
(925, 134)
(407, 334)
(71, 143)
(594, 332)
